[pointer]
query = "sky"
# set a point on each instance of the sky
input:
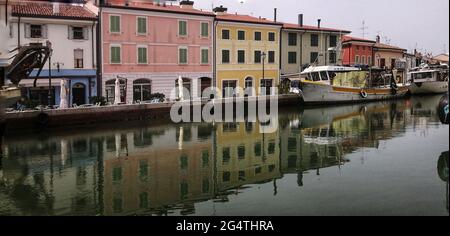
(421, 24)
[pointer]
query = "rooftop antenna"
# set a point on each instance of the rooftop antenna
(364, 28)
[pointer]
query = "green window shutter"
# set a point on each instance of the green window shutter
(205, 29)
(142, 55)
(142, 25)
(183, 56)
(114, 24)
(115, 54)
(182, 28)
(205, 56)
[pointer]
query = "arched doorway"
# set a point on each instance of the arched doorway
(248, 87)
(205, 83)
(186, 85)
(142, 90)
(79, 94)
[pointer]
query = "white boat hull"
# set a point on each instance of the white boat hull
(429, 87)
(323, 94)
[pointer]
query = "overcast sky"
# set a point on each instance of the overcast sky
(406, 23)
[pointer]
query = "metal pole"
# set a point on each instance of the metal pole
(50, 80)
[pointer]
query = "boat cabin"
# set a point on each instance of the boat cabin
(428, 73)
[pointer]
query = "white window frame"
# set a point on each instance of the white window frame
(120, 24)
(137, 25)
(276, 38)
(237, 35)
(221, 33)
(201, 56)
(237, 56)
(137, 54)
(187, 30)
(187, 55)
(254, 38)
(357, 59)
(221, 56)
(209, 30)
(110, 54)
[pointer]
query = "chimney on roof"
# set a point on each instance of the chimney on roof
(300, 20)
(275, 15)
(318, 23)
(220, 10)
(55, 8)
(186, 4)
(378, 38)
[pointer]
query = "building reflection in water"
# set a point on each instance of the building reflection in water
(168, 169)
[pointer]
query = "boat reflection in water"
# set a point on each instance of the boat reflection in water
(178, 169)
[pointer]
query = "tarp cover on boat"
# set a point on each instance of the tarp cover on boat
(350, 79)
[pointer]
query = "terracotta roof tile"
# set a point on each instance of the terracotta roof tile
(156, 7)
(351, 38)
(386, 46)
(43, 9)
(313, 28)
(246, 18)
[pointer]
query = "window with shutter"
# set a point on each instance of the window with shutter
(142, 25)
(114, 24)
(183, 52)
(204, 29)
(115, 55)
(142, 55)
(205, 56)
(77, 32)
(182, 28)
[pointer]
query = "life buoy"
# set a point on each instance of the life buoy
(363, 94)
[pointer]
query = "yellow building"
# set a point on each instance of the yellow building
(244, 45)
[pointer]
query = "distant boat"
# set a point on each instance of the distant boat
(339, 84)
(428, 79)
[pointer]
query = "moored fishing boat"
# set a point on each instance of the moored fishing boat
(429, 79)
(339, 84)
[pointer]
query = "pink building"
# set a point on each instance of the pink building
(149, 45)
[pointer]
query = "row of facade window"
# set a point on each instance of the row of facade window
(226, 175)
(241, 150)
(314, 39)
(241, 35)
(362, 60)
(142, 55)
(39, 31)
(241, 56)
(314, 57)
(142, 26)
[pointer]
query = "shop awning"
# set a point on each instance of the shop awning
(28, 83)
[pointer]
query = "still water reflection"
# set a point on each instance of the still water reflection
(373, 159)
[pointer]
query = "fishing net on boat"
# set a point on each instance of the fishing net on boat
(356, 79)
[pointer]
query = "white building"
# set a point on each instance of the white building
(71, 29)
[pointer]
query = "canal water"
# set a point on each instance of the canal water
(384, 158)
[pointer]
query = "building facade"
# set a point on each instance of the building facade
(247, 55)
(71, 30)
(357, 51)
(385, 56)
(149, 45)
(303, 45)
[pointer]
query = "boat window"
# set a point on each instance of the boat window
(324, 75)
(332, 75)
(315, 76)
(422, 75)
